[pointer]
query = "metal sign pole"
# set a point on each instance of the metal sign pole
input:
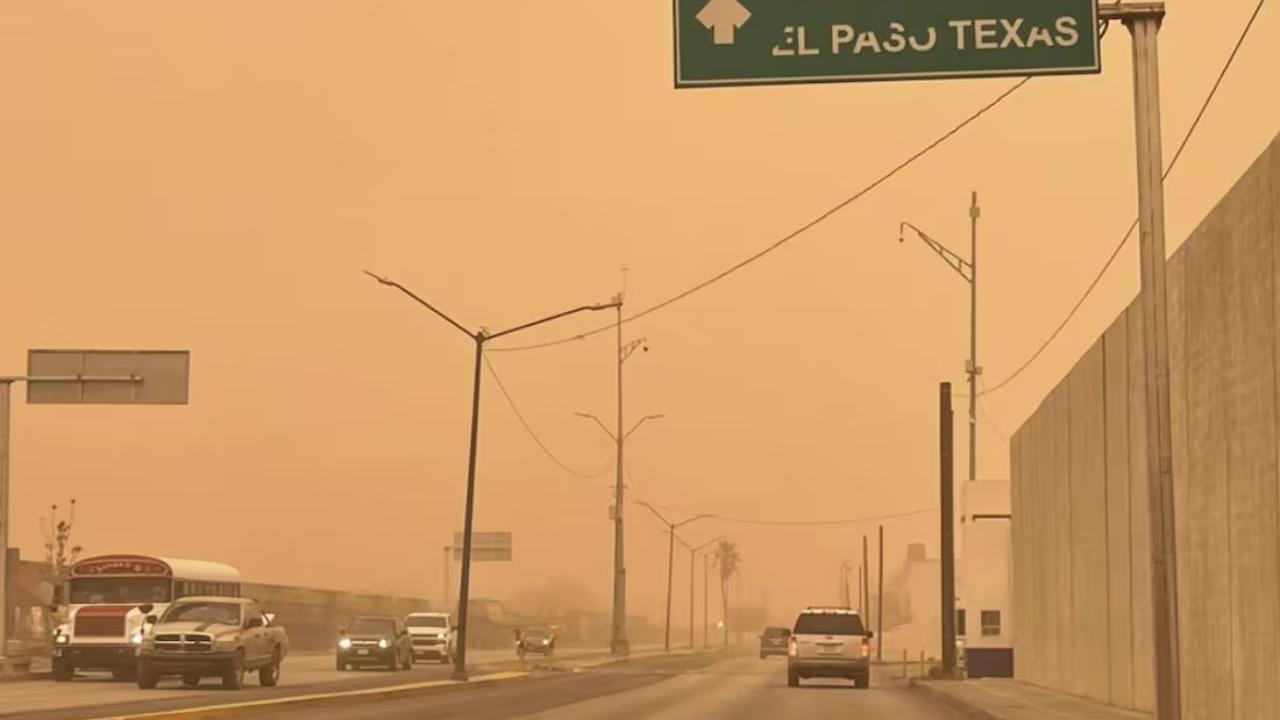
(1143, 21)
(5, 613)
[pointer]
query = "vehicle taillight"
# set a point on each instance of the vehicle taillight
(793, 648)
(866, 649)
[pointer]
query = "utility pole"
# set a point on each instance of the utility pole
(880, 599)
(671, 557)
(968, 271)
(448, 558)
(5, 614)
(618, 642)
(706, 601)
(866, 591)
(480, 337)
(693, 556)
(973, 370)
(947, 490)
(1143, 19)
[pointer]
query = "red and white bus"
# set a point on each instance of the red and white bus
(102, 590)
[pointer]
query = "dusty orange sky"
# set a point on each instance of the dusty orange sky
(214, 176)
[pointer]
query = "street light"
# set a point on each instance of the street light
(618, 644)
(671, 557)
(968, 270)
(693, 552)
(479, 337)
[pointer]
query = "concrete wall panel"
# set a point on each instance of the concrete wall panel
(1139, 522)
(1059, 479)
(1091, 657)
(1207, 271)
(1046, 585)
(1080, 484)
(1191, 638)
(1119, 561)
(1251, 445)
(1017, 625)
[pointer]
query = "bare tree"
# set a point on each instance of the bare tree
(60, 555)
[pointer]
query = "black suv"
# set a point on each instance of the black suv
(773, 641)
(381, 641)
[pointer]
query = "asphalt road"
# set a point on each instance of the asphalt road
(679, 688)
(96, 695)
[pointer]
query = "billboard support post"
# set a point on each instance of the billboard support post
(81, 377)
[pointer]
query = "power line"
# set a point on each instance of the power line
(800, 523)
(982, 407)
(529, 429)
(789, 236)
(742, 521)
(1204, 107)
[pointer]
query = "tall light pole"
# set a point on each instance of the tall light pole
(618, 643)
(968, 270)
(671, 557)
(693, 557)
(448, 558)
(479, 337)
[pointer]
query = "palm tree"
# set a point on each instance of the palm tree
(726, 559)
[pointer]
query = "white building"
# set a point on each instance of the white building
(985, 586)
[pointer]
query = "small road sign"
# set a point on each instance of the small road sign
(108, 377)
(485, 547)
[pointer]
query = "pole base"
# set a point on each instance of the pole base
(459, 676)
(620, 647)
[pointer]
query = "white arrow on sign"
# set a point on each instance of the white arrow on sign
(723, 17)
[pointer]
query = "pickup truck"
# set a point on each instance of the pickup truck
(221, 637)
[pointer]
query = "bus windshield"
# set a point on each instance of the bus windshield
(123, 590)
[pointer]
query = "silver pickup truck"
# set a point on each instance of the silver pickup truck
(221, 637)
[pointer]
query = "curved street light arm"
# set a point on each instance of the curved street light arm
(652, 509)
(682, 523)
(599, 422)
(439, 313)
(708, 543)
(639, 422)
(565, 313)
(631, 347)
(963, 267)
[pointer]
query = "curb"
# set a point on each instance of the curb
(214, 711)
(945, 698)
(233, 709)
(645, 656)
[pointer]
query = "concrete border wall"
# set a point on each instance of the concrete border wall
(1082, 594)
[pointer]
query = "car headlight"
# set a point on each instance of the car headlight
(136, 638)
(345, 643)
(383, 643)
(61, 639)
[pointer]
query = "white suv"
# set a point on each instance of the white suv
(829, 642)
(432, 635)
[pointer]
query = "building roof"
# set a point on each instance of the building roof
(206, 570)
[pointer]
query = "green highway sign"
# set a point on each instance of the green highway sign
(788, 42)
